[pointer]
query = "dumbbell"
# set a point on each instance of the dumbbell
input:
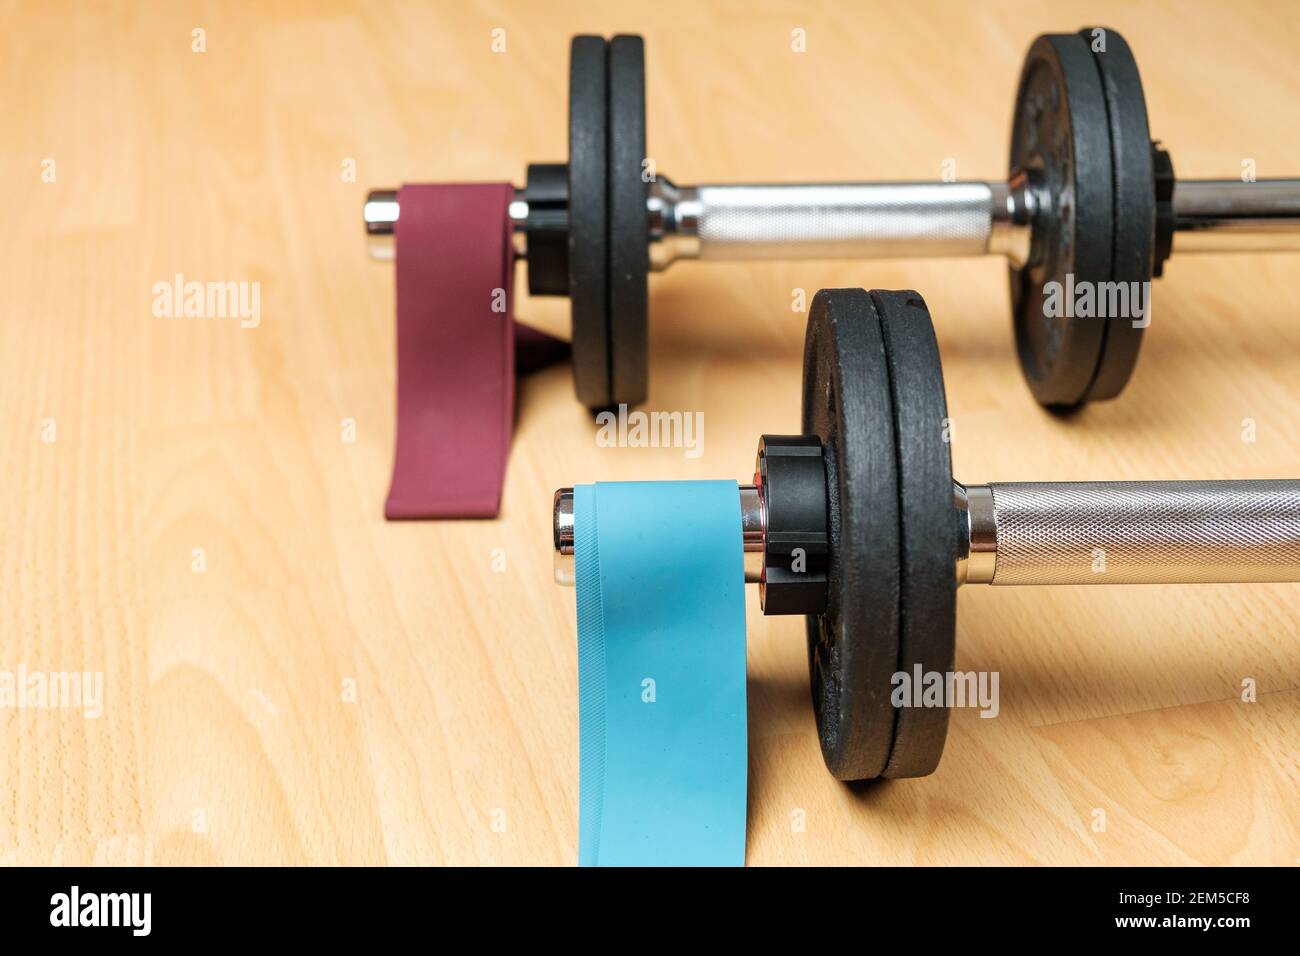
(1091, 202)
(858, 524)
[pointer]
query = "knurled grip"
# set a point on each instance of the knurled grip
(1147, 532)
(844, 220)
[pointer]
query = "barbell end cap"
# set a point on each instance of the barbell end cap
(381, 211)
(380, 214)
(563, 563)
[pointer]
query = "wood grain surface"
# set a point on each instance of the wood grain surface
(287, 678)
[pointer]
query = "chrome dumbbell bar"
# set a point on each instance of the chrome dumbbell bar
(1108, 532)
(900, 220)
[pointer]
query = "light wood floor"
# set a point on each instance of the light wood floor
(336, 689)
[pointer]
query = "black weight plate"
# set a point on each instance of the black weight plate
(588, 218)
(927, 524)
(1060, 137)
(853, 646)
(1135, 209)
(629, 256)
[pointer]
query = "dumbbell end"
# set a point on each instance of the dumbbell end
(753, 521)
(562, 537)
(380, 215)
(382, 210)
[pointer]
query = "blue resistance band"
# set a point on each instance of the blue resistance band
(661, 673)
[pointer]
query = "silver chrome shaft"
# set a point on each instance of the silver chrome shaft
(838, 220)
(902, 220)
(1227, 215)
(1131, 532)
(1109, 532)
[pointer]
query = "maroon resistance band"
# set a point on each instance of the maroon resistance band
(456, 351)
